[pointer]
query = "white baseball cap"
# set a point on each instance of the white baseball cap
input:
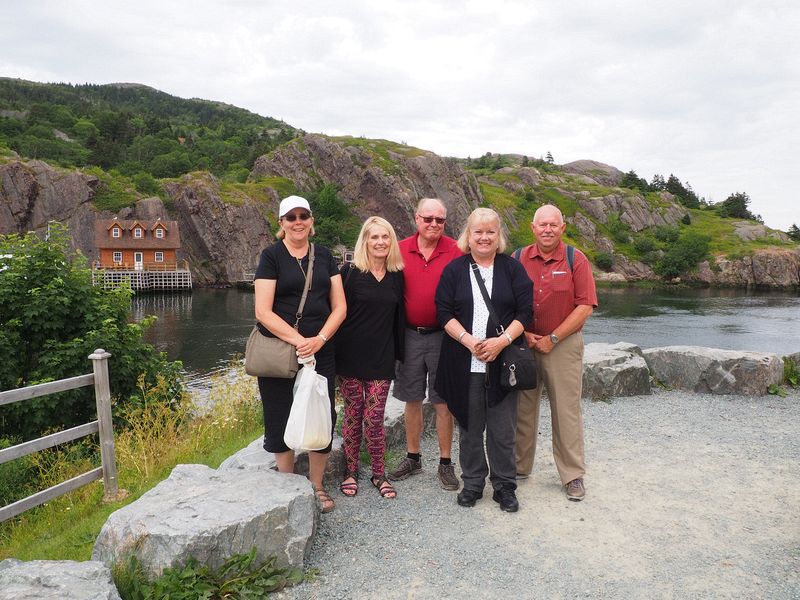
(292, 202)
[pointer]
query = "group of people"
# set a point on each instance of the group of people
(413, 312)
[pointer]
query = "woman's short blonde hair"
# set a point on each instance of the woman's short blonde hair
(394, 261)
(477, 216)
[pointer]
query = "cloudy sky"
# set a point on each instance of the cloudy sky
(707, 90)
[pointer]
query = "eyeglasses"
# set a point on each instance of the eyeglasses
(439, 220)
(291, 217)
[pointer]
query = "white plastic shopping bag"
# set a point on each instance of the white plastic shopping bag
(309, 425)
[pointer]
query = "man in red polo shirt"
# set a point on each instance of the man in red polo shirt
(564, 297)
(425, 255)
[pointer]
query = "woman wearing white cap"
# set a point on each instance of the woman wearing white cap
(279, 282)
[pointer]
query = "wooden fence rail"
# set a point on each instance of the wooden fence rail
(103, 426)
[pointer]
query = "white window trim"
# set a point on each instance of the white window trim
(116, 232)
(159, 257)
(138, 233)
(117, 257)
(159, 232)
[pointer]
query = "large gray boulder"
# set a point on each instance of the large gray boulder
(253, 457)
(56, 580)
(611, 370)
(211, 515)
(714, 371)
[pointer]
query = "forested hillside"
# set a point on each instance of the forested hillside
(140, 132)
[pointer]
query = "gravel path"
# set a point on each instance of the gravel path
(688, 496)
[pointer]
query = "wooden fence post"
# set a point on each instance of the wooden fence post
(102, 392)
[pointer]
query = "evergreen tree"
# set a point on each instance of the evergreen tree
(794, 232)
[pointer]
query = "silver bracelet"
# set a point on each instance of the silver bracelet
(461, 335)
(508, 337)
(324, 339)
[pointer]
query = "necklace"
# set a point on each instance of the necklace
(300, 264)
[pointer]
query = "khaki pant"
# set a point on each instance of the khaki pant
(561, 372)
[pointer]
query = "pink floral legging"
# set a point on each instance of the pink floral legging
(364, 405)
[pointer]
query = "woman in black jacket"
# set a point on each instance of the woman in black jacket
(468, 377)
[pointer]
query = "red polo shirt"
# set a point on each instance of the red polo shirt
(556, 290)
(422, 276)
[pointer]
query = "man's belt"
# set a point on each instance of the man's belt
(424, 330)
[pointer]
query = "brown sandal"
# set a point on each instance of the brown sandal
(383, 486)
(326, 502)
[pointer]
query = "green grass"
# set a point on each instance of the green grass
(114, 192)
(381, 151)
(66, 528)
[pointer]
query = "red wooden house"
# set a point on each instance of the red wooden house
(137, 245)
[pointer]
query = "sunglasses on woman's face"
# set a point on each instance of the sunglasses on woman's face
(439, 220)
(303, 216)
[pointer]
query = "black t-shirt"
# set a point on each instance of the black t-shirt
(367, 341)
(289, 273)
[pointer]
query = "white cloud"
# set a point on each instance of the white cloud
(707, 90)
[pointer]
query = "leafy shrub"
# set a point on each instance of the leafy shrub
(620, 231)
(604, 261)
(51, 319)
(683, 255)
(238, 577)
(666, 234)
(644, 244)
(146, 184)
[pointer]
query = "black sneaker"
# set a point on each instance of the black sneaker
(406, 468)
(507, 499)
(468, 498)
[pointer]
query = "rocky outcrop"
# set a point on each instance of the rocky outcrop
(749, 231)
(595, 172)
(395, 424)
(56, 580)
(614, 370)
(633, 210)
(767, 267)
(372, 183)
(33, 193)
(714, 371)
(222, 240)
(212, 515)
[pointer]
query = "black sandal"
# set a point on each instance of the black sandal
(349, 489)
(385, 489)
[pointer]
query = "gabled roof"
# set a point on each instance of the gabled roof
(103, 239)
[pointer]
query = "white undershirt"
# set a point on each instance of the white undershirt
(480, 313)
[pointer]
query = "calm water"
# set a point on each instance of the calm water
(205, 328)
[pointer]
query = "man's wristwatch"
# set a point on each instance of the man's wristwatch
(554, 338)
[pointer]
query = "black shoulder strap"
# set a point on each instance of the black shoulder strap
(482, 285)
(350, 267)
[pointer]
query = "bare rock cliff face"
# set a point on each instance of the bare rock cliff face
(391, 190)
(221, 240)
(770, 267)
(33, 193)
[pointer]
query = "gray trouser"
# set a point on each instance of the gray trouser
(499, 422)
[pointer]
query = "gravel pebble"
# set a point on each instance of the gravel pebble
(688, 496)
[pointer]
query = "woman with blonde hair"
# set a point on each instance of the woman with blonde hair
(367, 346)
(468, 377)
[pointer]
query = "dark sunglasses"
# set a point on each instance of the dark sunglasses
(439, 220)
(291, 217)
